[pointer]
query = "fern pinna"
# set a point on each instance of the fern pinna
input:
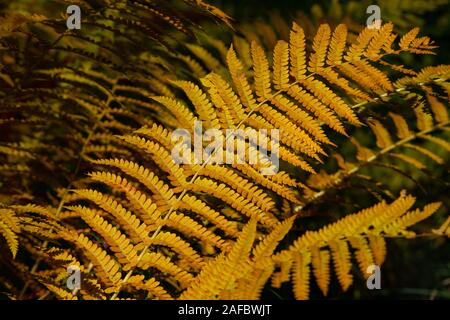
(139, 225)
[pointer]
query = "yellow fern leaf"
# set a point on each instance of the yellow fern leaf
(163, 263)
(379, 40)
(190, 227)
(261, 72)
(161, 156)
(342, 263)
(439, 109)
(107, 268)
(401, 125)
(233, 199)
(317, 108)
(406, 40)
(240, 80)
(357, 48)
(136, 229)
(382, 134)
(152, 286)
(125, 251)
(201, 103)
(337, 45)
(140, 202)
(297, 52)
(301, 274)
(230, 111)
(196, 205)
(329, 98)
(180, 246)
(280, 65)
(320, 46)
(363, 254)
(206, 57)
(9, 227)
(162, 193)
(267, 246)
(378, 247)
(321, 268)
(219, 276)
(410, 218)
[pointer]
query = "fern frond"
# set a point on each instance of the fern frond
(320, 46)
(163, 263)
(297, 52)
(9, 227)
(342, 263)
(240, 80)
(107, 268)
(136, 229)
(196, 205)
(280, 65)
(364, 231)
(320, 260)
(301, 274)
(233, 199)
(220, 275)
(152, 286)
(124, 250)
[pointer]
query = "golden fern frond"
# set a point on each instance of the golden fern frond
(181, 247)
(9, 227)
(340, 253)
(140, 202)
(301, 274)
(136, 229)
(308, 91)
(337, 45)
(246, 188)
(162, 194)
(268, 244)
(161, 156)
(123, 249)
(163, 263)
(399, 144)
(320, 260)
(108, 270)
(229, 196)
(60, 293)
(219, 276)
(152, 286)
(201, 208)
(281, 65)
(250, 285)
(201, 104)
(261, 72)
(192, 228)
(204, 56)
(364, 231)
(240, 80)
(320, 46)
